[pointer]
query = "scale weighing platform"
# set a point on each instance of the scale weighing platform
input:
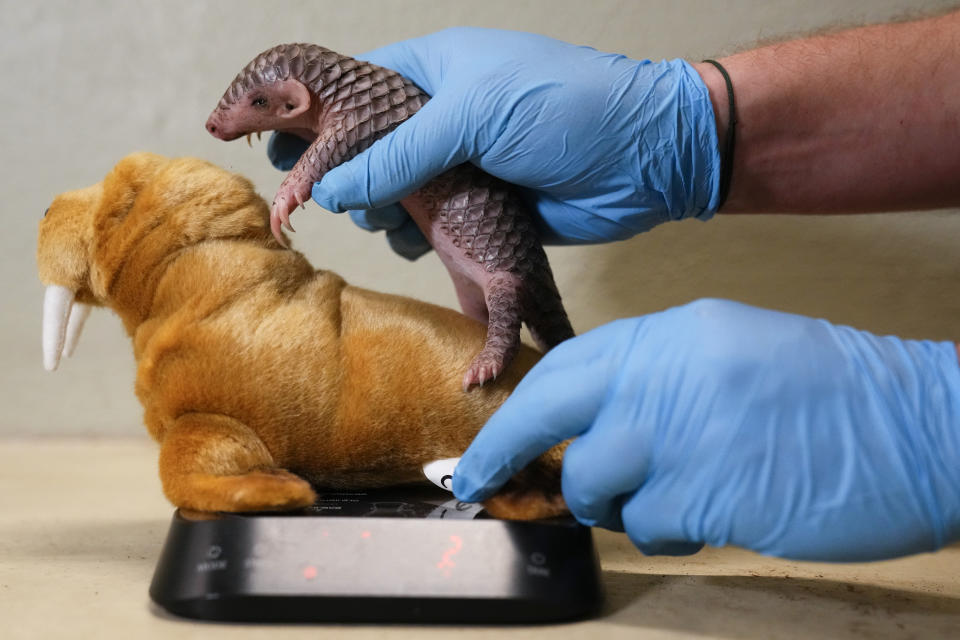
(406, 554)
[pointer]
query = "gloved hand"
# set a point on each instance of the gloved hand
(720, 423)
(606, 146)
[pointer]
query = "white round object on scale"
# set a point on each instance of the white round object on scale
(440, 472)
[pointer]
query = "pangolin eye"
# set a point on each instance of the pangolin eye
(259, 102)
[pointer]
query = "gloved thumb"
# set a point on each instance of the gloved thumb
(430, 142)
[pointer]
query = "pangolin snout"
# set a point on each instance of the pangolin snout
(215, 127)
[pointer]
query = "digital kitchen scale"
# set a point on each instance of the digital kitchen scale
(409, 554)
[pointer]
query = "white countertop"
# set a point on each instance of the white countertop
(82, 522)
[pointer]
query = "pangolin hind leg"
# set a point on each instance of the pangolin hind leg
(503, 330)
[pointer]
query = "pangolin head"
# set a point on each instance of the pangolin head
(308, 64)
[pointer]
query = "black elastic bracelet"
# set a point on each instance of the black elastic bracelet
(726, 158)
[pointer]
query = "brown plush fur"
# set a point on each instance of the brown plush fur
(258, 373)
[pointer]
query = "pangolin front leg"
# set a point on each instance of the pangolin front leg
(296, 188)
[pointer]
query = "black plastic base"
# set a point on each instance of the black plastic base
(399, 555)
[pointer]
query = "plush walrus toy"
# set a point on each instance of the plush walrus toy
(258, 374)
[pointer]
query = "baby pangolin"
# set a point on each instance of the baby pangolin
(478, 225)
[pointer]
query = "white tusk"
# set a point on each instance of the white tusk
(78, 316)
(57, 301)
(440, 472)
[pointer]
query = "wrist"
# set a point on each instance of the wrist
(719, 86)
(684, 101)
(717, 89)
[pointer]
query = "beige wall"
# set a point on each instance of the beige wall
(87, 82)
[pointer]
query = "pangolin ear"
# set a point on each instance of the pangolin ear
(293, 98)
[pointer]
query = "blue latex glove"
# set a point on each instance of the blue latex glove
(720, 423)
(606, 146)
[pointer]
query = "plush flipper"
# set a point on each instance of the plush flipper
(212, 462)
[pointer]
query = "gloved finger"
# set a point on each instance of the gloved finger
(535, 416)
(408, 241)
(284, 149)
(424, 146)
(392, 216)
(653, 520)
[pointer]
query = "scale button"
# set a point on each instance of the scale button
(214, 552)
(538, 558)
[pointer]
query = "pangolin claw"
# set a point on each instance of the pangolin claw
(285, 219)
(249, 144)
(258, 136)
(276, 229)
(482, 370)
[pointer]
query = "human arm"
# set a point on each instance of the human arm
(861, 120)
(719, 423)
